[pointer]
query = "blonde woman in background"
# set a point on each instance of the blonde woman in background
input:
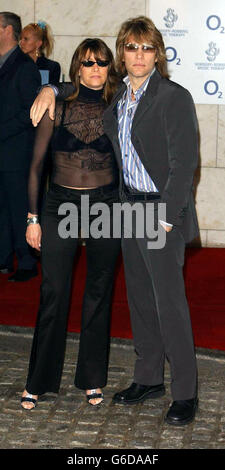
(37, 42)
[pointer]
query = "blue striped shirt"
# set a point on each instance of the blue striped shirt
(134, 172)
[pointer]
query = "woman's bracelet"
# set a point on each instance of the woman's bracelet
(32, 220)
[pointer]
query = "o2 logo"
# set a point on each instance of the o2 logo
(213, 22)
(171, 55)
(211, 87)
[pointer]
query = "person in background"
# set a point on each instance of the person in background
(19, 81)
(37, 41)
(83, 165)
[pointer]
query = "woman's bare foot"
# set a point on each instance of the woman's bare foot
(28, 405)
(94, 392)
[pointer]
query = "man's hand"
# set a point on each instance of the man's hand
(167, 228)
(33, 236)
(45, 100)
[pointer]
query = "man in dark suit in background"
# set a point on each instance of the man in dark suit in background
(19, 81)
(152, 124)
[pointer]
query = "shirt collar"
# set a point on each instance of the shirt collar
(3, 58)
(140, 90)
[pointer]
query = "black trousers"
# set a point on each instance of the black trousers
(13, 214)
(57, 255)
(159, 313)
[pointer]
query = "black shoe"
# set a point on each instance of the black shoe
(22, 275)
(5, 269)
(182, 412)
(137, 393)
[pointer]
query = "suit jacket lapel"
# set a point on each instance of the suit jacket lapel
(110, 115)
(147, 98)
(111, 122)
(111, 111)
(10, 62)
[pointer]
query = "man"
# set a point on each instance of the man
(19, 80)
(152, 125)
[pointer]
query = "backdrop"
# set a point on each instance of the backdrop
(194, 35)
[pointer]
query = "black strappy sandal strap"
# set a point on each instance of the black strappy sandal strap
(28, 399)
(32, 400)
(93, 395)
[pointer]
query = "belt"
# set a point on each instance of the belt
(129, 196)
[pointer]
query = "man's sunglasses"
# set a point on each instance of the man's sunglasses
(99, 62)
(132, 47)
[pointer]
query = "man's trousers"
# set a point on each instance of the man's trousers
(13, 220)
(159, 313)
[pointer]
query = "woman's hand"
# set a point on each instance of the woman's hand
(45, 100)
(33, 236)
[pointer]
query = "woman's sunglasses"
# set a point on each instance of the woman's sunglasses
(99, 62)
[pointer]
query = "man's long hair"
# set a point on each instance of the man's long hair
(98, 48)
(143, 30)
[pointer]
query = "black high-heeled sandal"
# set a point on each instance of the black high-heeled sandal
(94, 395)
(28, 398)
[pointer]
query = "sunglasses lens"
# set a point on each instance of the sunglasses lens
(102, 63)
(147, 48)
(87, 63)
(131, 47)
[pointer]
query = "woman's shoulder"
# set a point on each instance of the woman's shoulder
(48, 63)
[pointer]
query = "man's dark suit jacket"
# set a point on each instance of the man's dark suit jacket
(19, 81)
(165, 136)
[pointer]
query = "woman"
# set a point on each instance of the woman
(83, 165)
(37, 42)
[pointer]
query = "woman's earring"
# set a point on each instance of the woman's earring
(37, 52)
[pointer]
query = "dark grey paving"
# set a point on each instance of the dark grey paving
(66, 421)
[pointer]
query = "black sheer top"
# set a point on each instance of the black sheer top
(82, 154)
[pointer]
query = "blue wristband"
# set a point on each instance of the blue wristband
(54, 88)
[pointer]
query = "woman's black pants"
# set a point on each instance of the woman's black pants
(57, 259)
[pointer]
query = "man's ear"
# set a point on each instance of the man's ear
(9, 29)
